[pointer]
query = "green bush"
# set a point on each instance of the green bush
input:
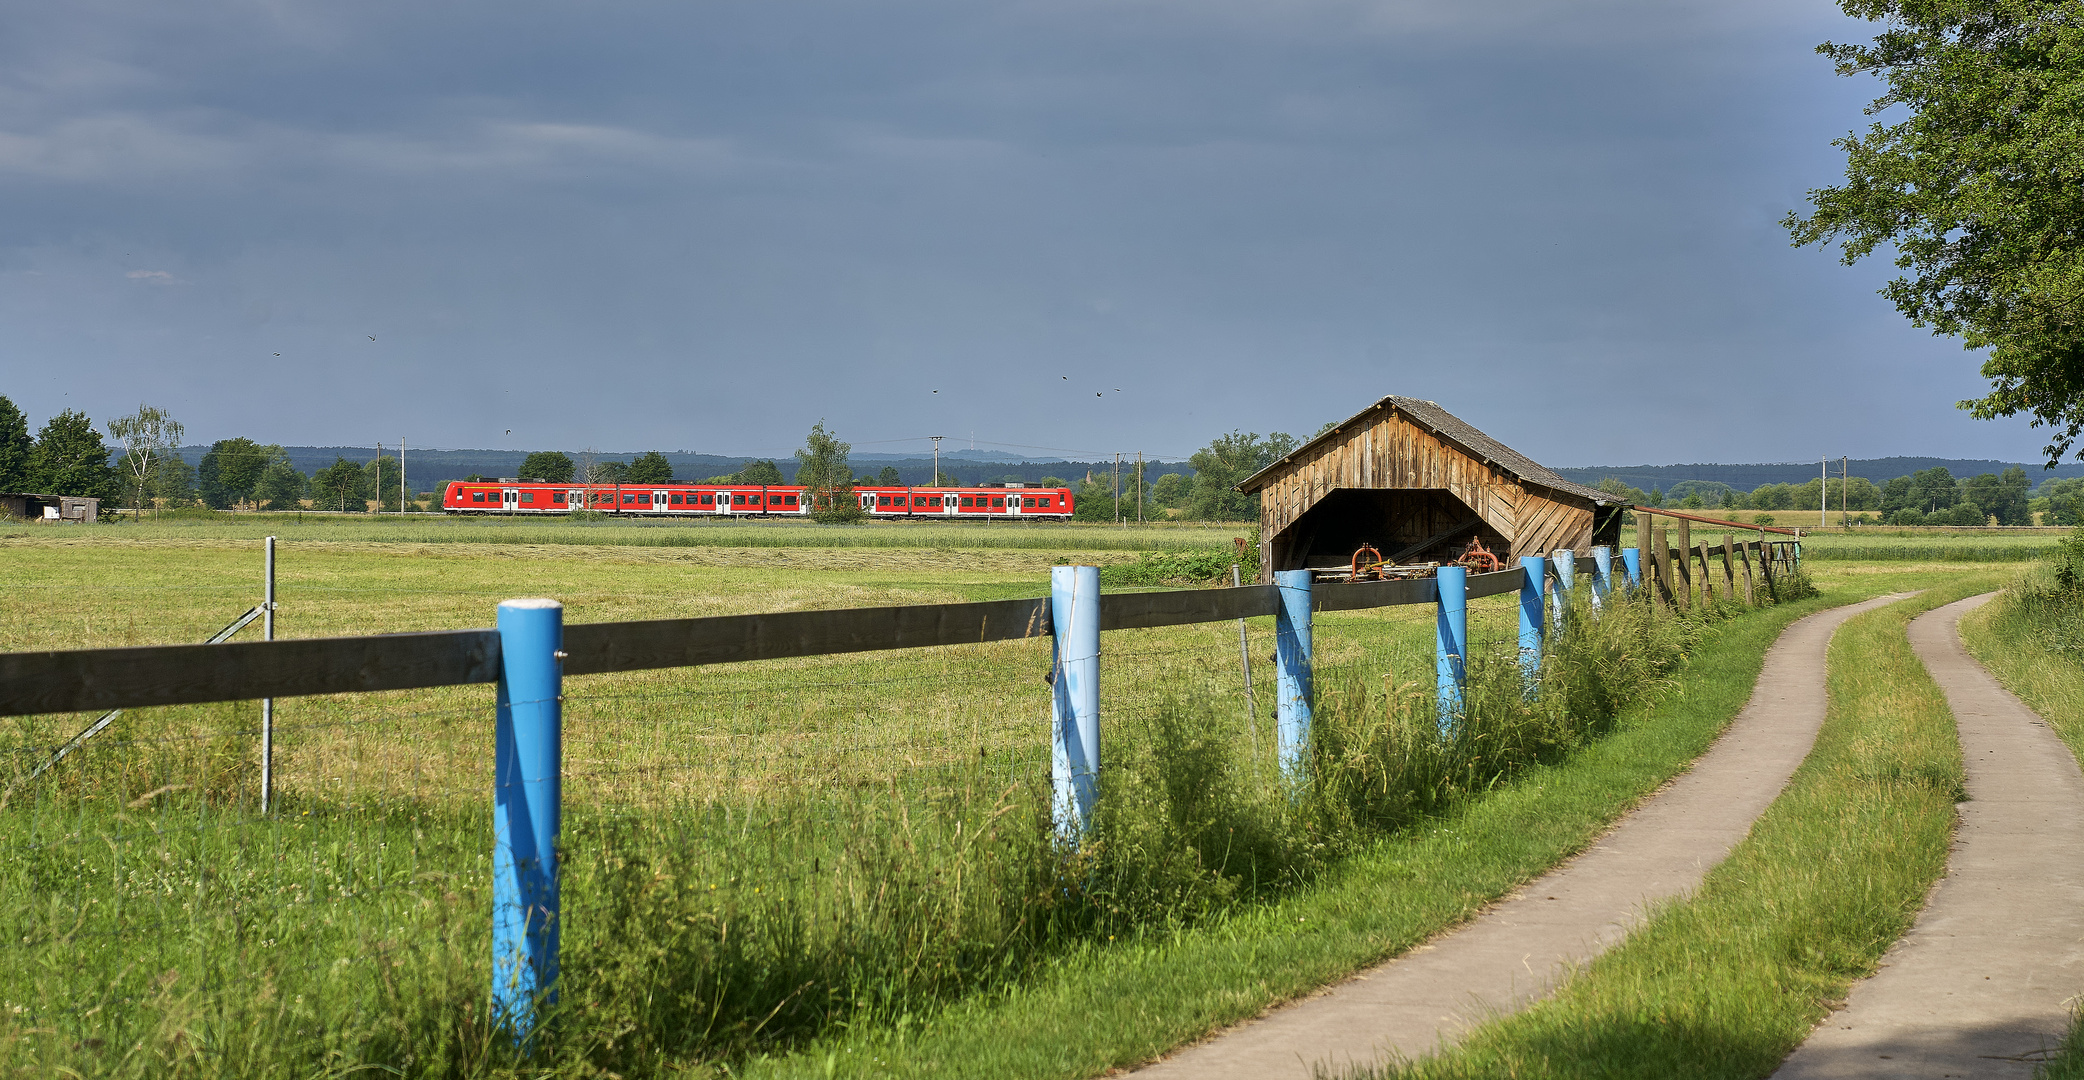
(1202, 568)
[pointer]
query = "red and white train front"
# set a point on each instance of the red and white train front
(535, 497)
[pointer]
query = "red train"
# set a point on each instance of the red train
(985, 502)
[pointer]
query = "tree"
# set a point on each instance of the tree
(69, 458)
(1933, 489)
(281, 486)
(888, 477)
(547, 465)
(1170, 490)
(2061, 502)
(173, 482)
(147, 436)
(764, 473)
(2002, 496)
(651, 467)
(826, 477)
(339, 486)
(229, 471)
(380, 482)
(1223, 464)
(1976, 191)
(1624, 492)
(14, 448)
(1094, 500)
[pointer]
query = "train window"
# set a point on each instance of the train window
(708, 500)
(557, 497)
(789, 500)
(676, 498)
(1033, 502)
(883, 500)
(966, 501)
(998, 500)
(528, 496)
(477, 496)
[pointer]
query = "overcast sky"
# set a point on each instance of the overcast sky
(1093, 225)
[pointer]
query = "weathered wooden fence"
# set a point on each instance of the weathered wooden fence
(530, 650)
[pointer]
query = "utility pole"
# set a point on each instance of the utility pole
(401, 474)
(1139, 487)
(1823, 494)
(1844, 492)
(937, 458)
(1117, 488)
(376, 478)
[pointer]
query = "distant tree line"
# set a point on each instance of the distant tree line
(1926, 497)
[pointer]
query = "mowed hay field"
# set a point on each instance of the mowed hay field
(791, 842)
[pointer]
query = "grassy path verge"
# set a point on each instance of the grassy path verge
(1124, 1003)
(1728, 983)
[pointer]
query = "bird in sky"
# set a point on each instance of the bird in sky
(278, 354)
(372, 337)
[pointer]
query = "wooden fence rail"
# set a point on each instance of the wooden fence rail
(129, 678)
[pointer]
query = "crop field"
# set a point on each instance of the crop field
(755, 854)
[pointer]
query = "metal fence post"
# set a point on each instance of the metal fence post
(1452, 641)
(1074, 752)
(526, 809)
(1533, 615)
(267, 747)
(1632, 567)
(1244, 655)
(1602, 574)
(1566, 580)
(1292, 656)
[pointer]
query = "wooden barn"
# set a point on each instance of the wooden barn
(1412, 480)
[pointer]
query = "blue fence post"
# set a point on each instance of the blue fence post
(1533, 615)
(1602, 574)
(526, 808)
(1632, 566)
(1292, 654)
(1566, 580)
(1074, 751)
(1452, 598)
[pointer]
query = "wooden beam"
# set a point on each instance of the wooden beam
(100, 679)
(129, 678)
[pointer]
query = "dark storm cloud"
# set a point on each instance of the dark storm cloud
(705, 226)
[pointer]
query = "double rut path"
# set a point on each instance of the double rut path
(1982, 986)
(1516, 951)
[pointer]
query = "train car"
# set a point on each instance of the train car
(522, 498)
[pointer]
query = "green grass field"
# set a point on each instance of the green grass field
(763, 861)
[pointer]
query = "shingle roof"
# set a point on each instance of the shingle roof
(1430, 416)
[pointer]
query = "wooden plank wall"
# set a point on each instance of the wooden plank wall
(1387, 452)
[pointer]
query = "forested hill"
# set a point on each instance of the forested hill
(1749, 477)
(427, 468)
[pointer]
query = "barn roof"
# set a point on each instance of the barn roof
(1430, 416)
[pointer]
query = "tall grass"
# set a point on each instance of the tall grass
(733, 886)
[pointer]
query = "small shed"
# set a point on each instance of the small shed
(55, 508)
(1415, 482)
